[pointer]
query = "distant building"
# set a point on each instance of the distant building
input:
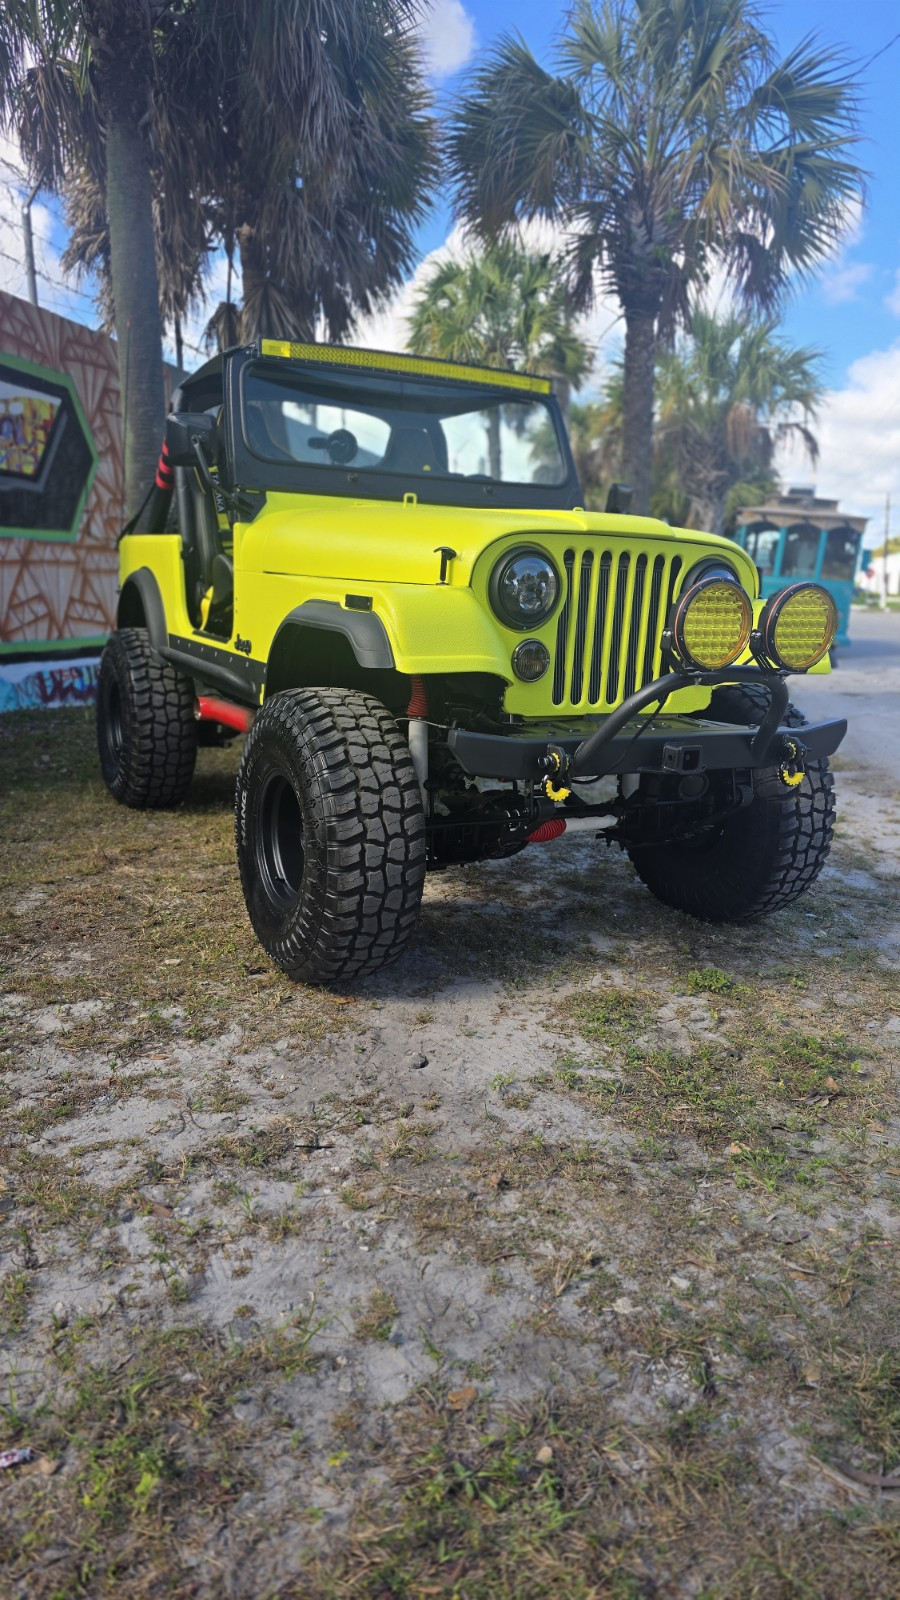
(875, 570)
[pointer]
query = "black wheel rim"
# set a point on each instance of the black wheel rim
(279, 843)
(113, 724)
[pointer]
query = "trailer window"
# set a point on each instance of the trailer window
(841, 551)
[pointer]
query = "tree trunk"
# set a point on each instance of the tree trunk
(253, 279)
(120, 50)
(637, 449)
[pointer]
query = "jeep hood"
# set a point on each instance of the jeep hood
(378, 542)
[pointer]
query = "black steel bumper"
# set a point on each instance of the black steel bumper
(627, 742)
(673, 744)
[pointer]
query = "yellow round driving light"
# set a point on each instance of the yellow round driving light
(711, 624)
(797, 626)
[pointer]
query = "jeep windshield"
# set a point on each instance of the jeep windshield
(374, 434)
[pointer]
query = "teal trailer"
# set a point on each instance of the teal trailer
(801, 536)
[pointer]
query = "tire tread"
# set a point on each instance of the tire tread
(370, 815)
(794, 832)
(160, 750)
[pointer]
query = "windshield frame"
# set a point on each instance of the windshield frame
(253, 472)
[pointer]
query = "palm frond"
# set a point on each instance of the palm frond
(517, 144)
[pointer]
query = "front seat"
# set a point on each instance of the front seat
(409, 450)
(260, 437)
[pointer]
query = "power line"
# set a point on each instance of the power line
(55, 283)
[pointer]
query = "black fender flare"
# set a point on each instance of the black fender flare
(364, 630)
(144, 584)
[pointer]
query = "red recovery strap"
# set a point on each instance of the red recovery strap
(165, 477)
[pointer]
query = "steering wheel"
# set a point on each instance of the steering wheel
(341, 445)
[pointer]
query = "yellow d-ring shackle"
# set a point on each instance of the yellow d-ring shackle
(792, 767)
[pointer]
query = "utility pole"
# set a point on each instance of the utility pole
(29, 242)
(884, 554)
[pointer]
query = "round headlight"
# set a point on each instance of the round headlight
(524, 589)
(711, 623)
(530, 660)
(797, 626)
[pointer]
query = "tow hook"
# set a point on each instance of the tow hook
(556, 765)
(791, 762)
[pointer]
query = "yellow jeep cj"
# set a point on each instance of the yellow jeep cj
(379, 569)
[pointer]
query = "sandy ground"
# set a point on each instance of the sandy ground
(864, 688)
(280, 1273)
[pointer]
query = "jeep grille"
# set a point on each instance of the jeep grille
(609, 628)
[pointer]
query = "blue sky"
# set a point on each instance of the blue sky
(846, 312)
(851, 311)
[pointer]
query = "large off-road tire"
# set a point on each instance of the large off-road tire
(330, 834)
(146, 731)
(759, 858)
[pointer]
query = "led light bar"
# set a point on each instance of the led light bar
(412, 366)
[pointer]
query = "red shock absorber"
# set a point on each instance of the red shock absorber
(418, 699)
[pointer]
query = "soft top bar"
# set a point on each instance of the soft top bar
(411, 366)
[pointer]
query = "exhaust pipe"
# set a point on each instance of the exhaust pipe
(210, 708)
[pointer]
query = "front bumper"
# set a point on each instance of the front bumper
(673, 744)
(627, 742)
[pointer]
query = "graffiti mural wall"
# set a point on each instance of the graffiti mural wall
(60, 483)
(60, 504)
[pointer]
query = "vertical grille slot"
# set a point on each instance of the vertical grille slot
(562, 633)
(634, 631)
(581, 614)
(595, 678)
(654, 622)
(610, 620)
(618, 625)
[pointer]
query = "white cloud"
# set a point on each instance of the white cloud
(447, 33)
(387, 327)
(858, 430)
(56, 291)
(845, 281)
(892, 300)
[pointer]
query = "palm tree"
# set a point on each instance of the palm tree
(726, 397)
(505, 307)
(308, 144)
(293, 131)
(595, 434)
(673, 141)
(298, 137)
(75, 80)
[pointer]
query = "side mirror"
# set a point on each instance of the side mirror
(619, 498)
(186, 429)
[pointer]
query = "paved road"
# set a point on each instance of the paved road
(864, 688)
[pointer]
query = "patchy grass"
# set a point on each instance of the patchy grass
(146, 905)
(564, 1499)
(639, 1339)
(376, 1319)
